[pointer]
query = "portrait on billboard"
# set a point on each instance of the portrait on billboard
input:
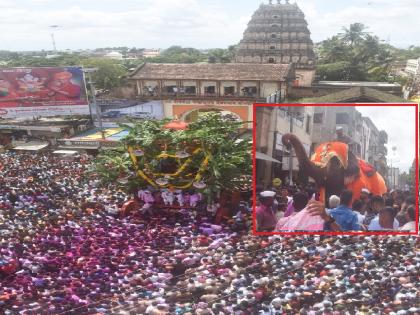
(27, 91)
(41, 86)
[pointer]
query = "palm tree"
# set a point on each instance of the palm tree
(354, 34)
(333, 50)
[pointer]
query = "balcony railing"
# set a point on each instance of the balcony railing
(253, 96)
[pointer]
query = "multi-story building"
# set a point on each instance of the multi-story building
(116, 55)
(394, 178)
(149, 53)
(413, 67)
(375, 151)
(327, 119)
(412, 89)
(272, 123)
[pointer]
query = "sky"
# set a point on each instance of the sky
(83, 24)
(400, 125)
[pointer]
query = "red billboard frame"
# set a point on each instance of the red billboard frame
(360, 233)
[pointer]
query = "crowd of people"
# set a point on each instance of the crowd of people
(297, 209)
(66, 249)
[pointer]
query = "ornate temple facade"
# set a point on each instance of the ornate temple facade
(278, 33)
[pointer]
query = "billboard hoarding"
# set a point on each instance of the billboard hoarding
(42, 91)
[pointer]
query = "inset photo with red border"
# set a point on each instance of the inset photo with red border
(336, 169)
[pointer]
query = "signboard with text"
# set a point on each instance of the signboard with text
(209, 102)
(44, 91)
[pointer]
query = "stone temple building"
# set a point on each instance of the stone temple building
(278, 33)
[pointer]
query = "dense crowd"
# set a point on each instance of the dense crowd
(65, 249)
(291, 209)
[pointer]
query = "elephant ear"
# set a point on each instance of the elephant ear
(367, 168)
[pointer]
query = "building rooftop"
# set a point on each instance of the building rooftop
(358, 83)
(356, 94)
(65, 121)
(114, 53)
(212, 71)
(111, 134)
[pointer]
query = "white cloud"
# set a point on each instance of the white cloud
(393, 20)
(6, 4)
(151, 22)
(399, 123)
(194, 23)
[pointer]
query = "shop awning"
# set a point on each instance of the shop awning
(265, 157)
(79, 147)
(31, 146)
(66, 152)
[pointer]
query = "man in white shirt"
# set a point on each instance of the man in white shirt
(357, 207)
(384, 221)
(411, 220)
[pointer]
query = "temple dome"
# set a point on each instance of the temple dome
(277, 33)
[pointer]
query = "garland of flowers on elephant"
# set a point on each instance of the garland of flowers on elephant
(198, 177)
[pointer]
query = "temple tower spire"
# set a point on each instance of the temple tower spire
(277, 33)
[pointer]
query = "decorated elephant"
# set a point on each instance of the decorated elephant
(334, 168)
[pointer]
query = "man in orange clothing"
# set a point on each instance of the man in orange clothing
(63, 88)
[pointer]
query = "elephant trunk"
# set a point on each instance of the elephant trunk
(305, 164)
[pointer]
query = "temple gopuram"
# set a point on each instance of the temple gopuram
(278, 33)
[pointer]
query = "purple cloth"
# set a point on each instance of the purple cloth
(290, 209)
(265, 218)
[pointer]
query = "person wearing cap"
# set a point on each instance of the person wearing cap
(341, 137)
(364, 195)
(266, 219)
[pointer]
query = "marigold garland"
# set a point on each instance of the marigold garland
(198, 176)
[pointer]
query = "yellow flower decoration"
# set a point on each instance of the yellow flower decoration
(176, 174)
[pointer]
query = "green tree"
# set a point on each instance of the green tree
(354, 34)
(413, 52)
(178, 54)
(112, 165)
(38, 61)
(333, 50)
(337, 71)
(229, 157)
(109, 74)
(219, 55)
(354, 55)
